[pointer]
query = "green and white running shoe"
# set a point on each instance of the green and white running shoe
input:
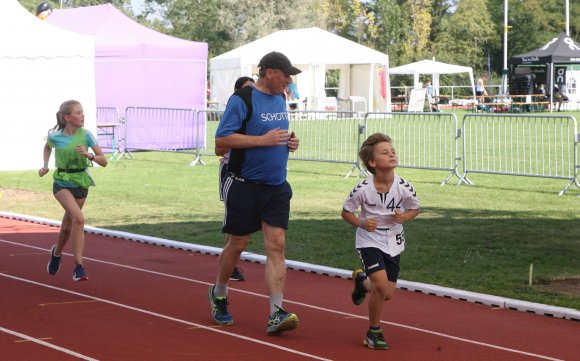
(376, 340)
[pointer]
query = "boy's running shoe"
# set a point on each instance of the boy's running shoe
(237, 275)
(359, 293)
(376, 340)
(219, 309)
(281, 321)
(79, 273)
(54, 263)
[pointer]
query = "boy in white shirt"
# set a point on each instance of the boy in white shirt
(386, 201)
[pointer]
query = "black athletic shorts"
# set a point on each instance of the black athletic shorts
(77, 192)
(248, 204)
(373, 260)
(223, 176)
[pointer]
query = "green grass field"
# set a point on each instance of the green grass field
(480, 238)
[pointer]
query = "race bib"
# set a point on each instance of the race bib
(396, 239)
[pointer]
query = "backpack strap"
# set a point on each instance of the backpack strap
(246, 94)
(237, 156)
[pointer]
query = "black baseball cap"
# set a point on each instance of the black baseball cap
(276, 60)
(42, 7)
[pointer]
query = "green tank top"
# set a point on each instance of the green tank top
(68, 158)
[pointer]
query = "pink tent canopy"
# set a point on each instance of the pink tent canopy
(139, 67)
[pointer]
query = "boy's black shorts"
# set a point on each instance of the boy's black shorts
(373, 260)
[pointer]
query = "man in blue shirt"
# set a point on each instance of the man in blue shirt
(257, 196)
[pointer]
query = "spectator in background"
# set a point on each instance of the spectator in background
(433, 100)
(559, 96)
(480, 88)
(292, 96)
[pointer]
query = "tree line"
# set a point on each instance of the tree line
(463, 32)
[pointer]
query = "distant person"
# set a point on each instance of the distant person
(559, 96)
(541, 89)
(257, 195)
(292, 95)
(385, 201)
(431, 96)
(71, 180)
(480, 90)
(237, 274)
(542, 94)
(43, 10)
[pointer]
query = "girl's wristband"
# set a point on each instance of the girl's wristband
(362, 224)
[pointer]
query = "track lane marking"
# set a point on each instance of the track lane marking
(65, 303)
(46, 344)
(174, 319)
(345, 314)
(38, 338)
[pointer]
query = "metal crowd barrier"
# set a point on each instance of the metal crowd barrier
(111, 131)
(326, 136)
(163, 129)
(521, 145)
(422, 140)
(515, 144)
(208, 120)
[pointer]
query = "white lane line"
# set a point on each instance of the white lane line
(155, 314)
(435, 333)
(46, 344)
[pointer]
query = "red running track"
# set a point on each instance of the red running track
(146, 302)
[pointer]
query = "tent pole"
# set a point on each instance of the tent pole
(567, 17)
(551, 87)
(504, 72)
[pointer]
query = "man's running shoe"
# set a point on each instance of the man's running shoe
(281, 321)
(376, 340)
(79, 273)
(54, 263)
(219, 309)
(359, 293)
(237, 275)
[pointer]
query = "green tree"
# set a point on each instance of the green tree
(393, 28)
(533, 23)
(227, 24)
(441, 9)
(421, 18)
(31, 5)
(467, 35)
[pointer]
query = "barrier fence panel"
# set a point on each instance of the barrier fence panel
(207, 122)
(163, 129)
(326, 136)
(422, 140)
(110, 130)
(533, 145)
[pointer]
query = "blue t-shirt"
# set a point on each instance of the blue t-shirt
(265, 165)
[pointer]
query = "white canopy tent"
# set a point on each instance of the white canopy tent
(314, 51)
(434, 68)
(41, 66)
